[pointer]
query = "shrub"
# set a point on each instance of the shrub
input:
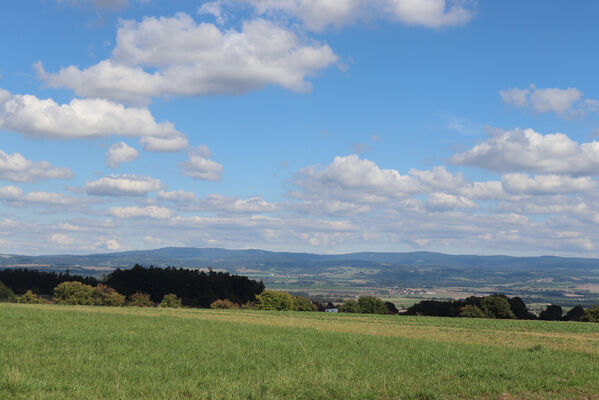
(140, 300)
(471, 311)
(6, 294)
(303, 304)
(551, 313)
(274, 300)
(225, 304)
(30, 298)
(75, 293)
(107, 296)
(497, 306)
(171, 301)
(591, 314)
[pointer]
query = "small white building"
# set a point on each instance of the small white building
(331, 310)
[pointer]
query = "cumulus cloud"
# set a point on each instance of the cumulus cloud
(120, 153)
(136, 212)
(191, 59)
(445, 201)
(319, 14)
(123, 185)
(519, 183)
(16, 168)
(177, 196)
(351, 177)
(556, 100)
(62, 240)
(10, 193)
(219, 203)
(200, 166)
(15, 197)
(81, 118)
(529, 151)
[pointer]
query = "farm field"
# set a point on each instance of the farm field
(66, 352)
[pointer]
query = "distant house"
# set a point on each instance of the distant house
(332, 310)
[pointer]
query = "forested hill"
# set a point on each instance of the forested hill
(236, 259)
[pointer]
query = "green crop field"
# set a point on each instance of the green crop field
(68, 352)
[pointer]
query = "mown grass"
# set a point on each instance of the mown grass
(62, 352)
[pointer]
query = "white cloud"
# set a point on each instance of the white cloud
(171, 143)
(217, 202)
(354, 179)
(80, 118)
(16, 168)
(440, 179)
(191, 59)
(62, 240)
(177, 196)
(213, 8)
(319, 14)
(519, 183)
(123, 185)
(10, 193)
(445, 201)
(556, 100)
(199, 166)
(136, 212)
(530, 151)
(120, 153)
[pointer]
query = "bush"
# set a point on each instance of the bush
(171, 301)
(551, 313)
(30, 298)
(107, 296)
(591, 314)
(75, 293)
(225, 304)
(6, 294)
(140, 300)
(471, 311)
(274, 300)
(303, 304)
(497, 306)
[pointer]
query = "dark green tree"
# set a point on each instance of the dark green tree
(576, 313)
(471, 311)
(591, 314)
(372, 305)
(497, 306)
(551, 313)
(6, 294)
(350, 306)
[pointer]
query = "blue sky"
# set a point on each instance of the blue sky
(321, 126)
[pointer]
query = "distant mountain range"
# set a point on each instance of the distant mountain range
(255, 259)
(561, 280)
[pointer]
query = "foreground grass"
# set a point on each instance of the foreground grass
(60, 352)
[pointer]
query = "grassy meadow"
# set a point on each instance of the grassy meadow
(80, 352)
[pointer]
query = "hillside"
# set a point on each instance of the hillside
(132, 353)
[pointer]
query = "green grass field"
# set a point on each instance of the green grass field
(64, 352)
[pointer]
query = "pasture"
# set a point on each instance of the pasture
(68, 352)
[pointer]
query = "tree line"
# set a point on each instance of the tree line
(194, 288)
(499, 306)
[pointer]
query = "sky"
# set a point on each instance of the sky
(323, 126)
